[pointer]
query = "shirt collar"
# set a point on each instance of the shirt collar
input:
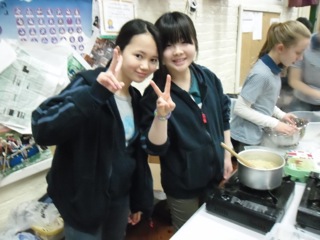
(275, 69)
(194, 88)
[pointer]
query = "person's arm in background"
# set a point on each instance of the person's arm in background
(295, 81)
(243, 109)
(228, 168)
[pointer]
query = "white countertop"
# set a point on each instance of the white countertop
(204, 225)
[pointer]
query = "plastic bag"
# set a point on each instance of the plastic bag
(28, 214)
(10, 235)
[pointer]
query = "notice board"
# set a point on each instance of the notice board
(250, 48)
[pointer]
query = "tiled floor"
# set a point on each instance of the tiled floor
(161, 229)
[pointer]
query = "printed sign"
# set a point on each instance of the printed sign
(47, 22)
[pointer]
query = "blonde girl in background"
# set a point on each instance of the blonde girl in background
(256, 106)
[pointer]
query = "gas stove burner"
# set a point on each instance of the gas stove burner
(313, 200)
(314, 175)
(255, 209)
(314, 193)
(273, 198)
(308, 215)
(235, 186)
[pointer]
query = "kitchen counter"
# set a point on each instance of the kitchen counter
(206, 225)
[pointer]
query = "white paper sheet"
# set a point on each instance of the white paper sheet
(8, 55)
(257, 27)
(36, 74)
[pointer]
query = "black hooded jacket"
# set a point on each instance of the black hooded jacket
(92, 164)
(192, 158)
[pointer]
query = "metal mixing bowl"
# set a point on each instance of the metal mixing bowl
(284, 140)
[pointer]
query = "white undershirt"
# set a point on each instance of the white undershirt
(126, 113)
(243, 109)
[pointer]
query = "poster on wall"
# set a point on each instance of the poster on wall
(27, 80)
(47, 22)
(101, 52)
(113, 15)
(252, 22)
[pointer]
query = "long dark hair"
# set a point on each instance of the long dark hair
(135, 27)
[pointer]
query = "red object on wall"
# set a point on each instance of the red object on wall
(302, 3)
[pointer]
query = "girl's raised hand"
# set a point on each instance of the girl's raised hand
(109, 79)
(165, 105)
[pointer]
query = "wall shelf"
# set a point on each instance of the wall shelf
(26, 172)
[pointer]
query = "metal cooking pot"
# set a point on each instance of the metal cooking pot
(261, 179)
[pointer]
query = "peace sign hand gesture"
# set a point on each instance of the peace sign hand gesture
(109, 79)
(165, 105)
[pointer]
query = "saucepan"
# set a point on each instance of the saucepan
(259, 169)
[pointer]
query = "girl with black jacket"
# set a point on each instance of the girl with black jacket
(100, 175)
(191, 159)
